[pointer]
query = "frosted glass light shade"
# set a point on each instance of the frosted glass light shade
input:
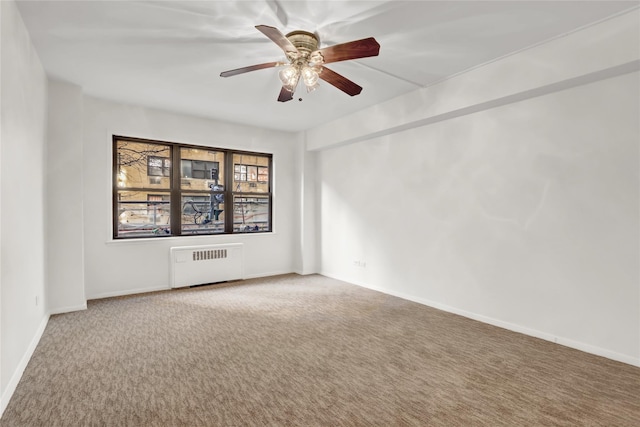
(310, 76)
(289, 75)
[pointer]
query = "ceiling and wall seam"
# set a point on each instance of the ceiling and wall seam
(629, 67)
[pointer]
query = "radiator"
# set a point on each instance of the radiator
(198, 265)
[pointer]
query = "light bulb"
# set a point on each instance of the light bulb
(288, 75)
(310, 76)
(291, 84)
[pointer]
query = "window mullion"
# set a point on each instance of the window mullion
(228, 193)
(176, 204)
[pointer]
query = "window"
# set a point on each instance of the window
(250, 193)
(170, 189)
(158, 166)
(200, 169)
(263, 174)
(250, 173)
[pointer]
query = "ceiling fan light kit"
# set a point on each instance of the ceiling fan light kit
(306, 61)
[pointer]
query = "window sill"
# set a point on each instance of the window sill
(190, 239)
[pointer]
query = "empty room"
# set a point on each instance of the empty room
(319, 213)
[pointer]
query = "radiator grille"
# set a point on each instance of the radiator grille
(204, 264)
(209, 254)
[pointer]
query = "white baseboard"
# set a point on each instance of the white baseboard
(127, 292)
(305, 273)
(69, 309)
(272, 273)
(567, 342)
(17, 374)
(166, 288)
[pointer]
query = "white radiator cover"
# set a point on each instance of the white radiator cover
(199, 265)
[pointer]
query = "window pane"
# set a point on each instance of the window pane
(158, 166)
(142, 214)
(250, 214)
(186, 169)
(200, 168)
(203, 213)
(263, 174)
(251, 173)
(155, 162)
(143, 165)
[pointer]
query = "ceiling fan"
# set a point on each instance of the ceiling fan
(307, 61)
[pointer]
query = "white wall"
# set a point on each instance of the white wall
(522, 213)
(22, 226)
(121, 267)
(65, 257)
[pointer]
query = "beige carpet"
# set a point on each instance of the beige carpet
(306, 351)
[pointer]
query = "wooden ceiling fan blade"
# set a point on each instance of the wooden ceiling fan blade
(342, 83)
(285, 95)
(249, 68)
(278, 38)
(351, 50)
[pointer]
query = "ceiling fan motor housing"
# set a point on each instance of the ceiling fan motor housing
(304, 41)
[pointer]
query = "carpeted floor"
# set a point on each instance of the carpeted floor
(306, 351)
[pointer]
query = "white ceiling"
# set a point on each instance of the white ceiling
(169, 54)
